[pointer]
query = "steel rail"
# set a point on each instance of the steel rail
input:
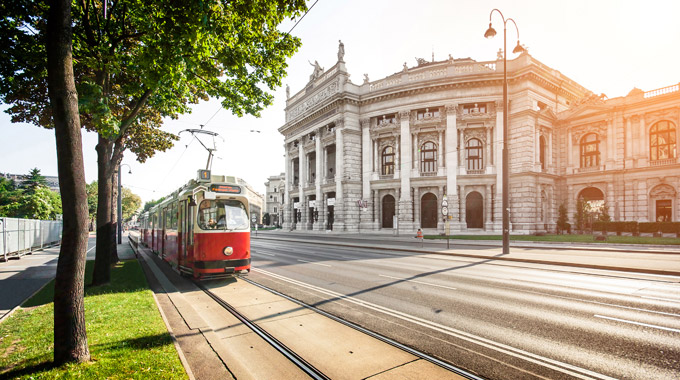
(412, 351)
(305, 366)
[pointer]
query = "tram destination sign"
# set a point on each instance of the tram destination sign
(230, 189)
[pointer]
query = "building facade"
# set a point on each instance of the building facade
(275, 190)
(385, 154)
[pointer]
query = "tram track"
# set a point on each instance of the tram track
(301, 363)
(304, 365)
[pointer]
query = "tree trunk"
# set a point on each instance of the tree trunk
(114, 214)
(70, 335)
(102, 262)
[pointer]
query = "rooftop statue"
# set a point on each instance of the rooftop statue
(318, 70)
(341, 51)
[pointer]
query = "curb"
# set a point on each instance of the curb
(180, 353)
(529, 261)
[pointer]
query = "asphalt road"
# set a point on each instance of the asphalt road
(501, 320)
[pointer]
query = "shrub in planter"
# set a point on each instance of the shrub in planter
(600, 226)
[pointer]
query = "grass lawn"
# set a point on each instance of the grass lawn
(125, 332)
(569, 239)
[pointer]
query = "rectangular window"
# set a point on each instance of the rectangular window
(664, 210)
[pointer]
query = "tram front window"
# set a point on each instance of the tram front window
(222, 214)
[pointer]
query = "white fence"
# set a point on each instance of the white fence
(21, 236)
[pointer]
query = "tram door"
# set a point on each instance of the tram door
(182, 235)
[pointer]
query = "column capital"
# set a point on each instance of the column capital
(451, 108)
(365, 122)
(404, 114)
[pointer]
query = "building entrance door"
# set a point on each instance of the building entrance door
(474, 210)
(428, 211)
(387, 211)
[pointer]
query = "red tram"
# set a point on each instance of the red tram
(202, 229)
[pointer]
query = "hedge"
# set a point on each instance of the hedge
(635, 228)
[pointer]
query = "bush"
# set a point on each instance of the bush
(669, 227)
(603, 226)
(649, 227)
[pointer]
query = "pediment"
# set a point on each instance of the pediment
(582, 110)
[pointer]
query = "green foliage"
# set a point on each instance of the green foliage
(92, 194)
(604, 213)
(562, 224)
(148, 205)
(581, 215)
(130, 203)
(148, 60)
(32, 201)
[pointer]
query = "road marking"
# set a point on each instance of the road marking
(637, 323)
(310, 262)
(417, 282)
(556, 365)
(662, 299)
(266, 254)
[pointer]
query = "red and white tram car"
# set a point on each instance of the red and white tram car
(202, 229)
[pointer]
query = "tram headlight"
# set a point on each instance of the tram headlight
(228, 251)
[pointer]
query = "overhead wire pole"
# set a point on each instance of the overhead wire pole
(194, 132)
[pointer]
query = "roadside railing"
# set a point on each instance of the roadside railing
(21, 236)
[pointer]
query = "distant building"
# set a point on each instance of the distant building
(255, 199)
(274, 193)
(384, 154)
(52, 181)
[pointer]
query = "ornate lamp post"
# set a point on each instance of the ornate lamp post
(506, 187)
(120, 202)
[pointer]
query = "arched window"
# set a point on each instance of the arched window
(542, 152)
(388, 160)
(428, 157)
(473, 154)
(662, 144)
(590, 151)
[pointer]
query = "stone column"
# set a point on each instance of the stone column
(611, 145)
(376, 155)
(488, 224)
(339, 208)
(440, 217)
(416, 156)
(319, 224)
(440, 150)
(365, 217)
(628, 156)
(405, 203)
(397, 159)
(416, 207)
(287, 206)
(487, 151)
(549, 154)
(537, 148)
(302, 165)
(570, 154)
(452, 165)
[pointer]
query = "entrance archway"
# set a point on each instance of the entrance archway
(428, 211)
(387, 211)
(474, 210)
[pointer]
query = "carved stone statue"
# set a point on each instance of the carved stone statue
(366, 78)
(341, 51)
(287, 91)
(318, 70)
(499, 55)
(405, 67)
(421, 61)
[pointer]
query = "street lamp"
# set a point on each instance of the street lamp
(120, 202)
(506, 187)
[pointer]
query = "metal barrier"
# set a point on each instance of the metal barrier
(21, 236)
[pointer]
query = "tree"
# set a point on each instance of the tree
(562, 219)
(581, 215)
(34, 180)
(139, 62)
(131, 202)
(70, 337)
(92, 196)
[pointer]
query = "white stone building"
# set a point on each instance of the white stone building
(274, 191)
(362, 157)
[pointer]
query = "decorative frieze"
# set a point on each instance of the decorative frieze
(325, 93)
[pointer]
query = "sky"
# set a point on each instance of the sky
(606, 46)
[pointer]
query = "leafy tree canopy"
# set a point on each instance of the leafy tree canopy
(136, 62)
(131, 203)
